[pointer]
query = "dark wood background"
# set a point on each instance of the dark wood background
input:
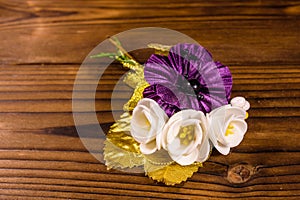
(43, 44)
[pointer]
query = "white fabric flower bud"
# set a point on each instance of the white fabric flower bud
(148, 120)
(240, 102)
(227, 127)
(185, 137)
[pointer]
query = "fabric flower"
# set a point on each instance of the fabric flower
(240, 102)
(148, 120)
(185, 137)
(227, 127)
(187, 78)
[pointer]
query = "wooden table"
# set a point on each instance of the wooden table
(43, 44)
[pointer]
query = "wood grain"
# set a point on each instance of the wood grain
(42, 46)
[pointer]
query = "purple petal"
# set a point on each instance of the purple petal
(157, 70)
(164, 97)
(171, 79)
(188, 58)
(226, 77)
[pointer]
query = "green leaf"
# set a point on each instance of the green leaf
(116, 40)
(102, 55)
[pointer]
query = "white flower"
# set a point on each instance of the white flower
(148, 120)
(240, 102)
(185, 138)
(227, 127)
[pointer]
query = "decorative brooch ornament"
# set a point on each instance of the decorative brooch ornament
(180, 109)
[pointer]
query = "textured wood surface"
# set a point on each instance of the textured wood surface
(42, 46)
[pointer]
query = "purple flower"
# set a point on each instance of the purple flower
(187, 78)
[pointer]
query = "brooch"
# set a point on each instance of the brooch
(180, 110)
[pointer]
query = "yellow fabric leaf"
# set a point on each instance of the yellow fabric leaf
(174, 173)
(116, 157)
(160, 157)
(160, 48)
(134, 76)
(136, 97)
(136, 80)
(132, 79)
(152, 167)
(124, 141)
(121, 125)
(119, 134)
(130, 63)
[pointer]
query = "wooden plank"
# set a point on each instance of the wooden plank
(57, 135)
(42, 47)
(229, 50)
(224, 33)
(67, 176)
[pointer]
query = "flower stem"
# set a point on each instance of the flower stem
(117, 43)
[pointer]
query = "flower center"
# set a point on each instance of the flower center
(229, 130)
(196, 86)
(186, 134)
(145, 122)
(194, 83)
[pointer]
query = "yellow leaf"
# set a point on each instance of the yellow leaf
(124, 141)
(134, 77)
(121, 125)
(160, 157)
(157, 160)
(160, 48)
(116, 157)
(119, 134)
(174, 173)
(131, 63)
(136, 97)
(136, 80)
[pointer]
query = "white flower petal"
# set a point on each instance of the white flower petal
(237, 112)
(140, 116)
(225, 118)
(198, 134)
(138, 133)
(172, 132)
(246, 106)
(148, 120)
(148, 148)
(149, 103)
(182, 149)
(220, 110)
(222, 149)
(186, 159)
(204, 151)
(240, 128)
(174, 144)
(175, 147)
(219, 130)
(238, 102)
(159, 140)
(140, 125)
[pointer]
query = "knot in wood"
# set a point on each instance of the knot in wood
(239, 173)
